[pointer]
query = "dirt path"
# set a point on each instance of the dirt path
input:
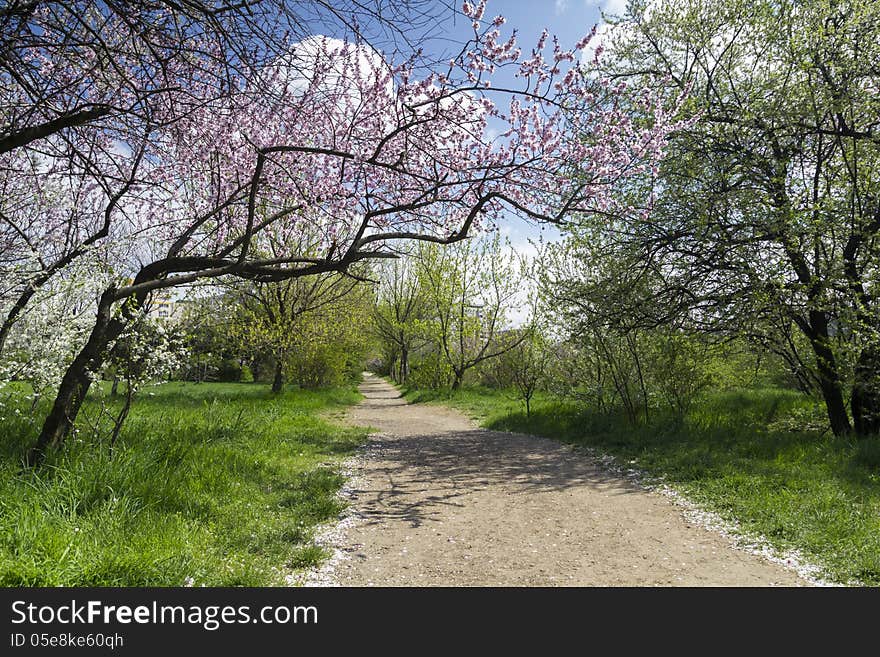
(440, 502)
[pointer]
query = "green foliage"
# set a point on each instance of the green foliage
(679, 369)
(765, 210)
(306, 331)
(398, 316)
(524, 366)
(213, 353)
(444, 314)
(431, 371)
(623, 348)
(471, 289)
(740, 453)
(216, 484)
(229, 370)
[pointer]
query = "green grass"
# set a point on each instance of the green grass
(215, 484)
(752, 456)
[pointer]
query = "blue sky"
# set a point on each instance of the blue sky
(569, 20)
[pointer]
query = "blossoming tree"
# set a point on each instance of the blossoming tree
(87, 88)
(333, 141)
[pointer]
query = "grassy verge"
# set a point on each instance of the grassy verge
(215, 484)
(743, 454)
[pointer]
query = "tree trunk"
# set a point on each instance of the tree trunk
(123, 415)
(865, 402)
(833, 395)
(456, 381)
(829, 377)
(76, 382)
(404, 365)
(114, 389)
(278, 381)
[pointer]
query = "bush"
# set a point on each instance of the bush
(431, 372)
(229, 371)
(679, 366)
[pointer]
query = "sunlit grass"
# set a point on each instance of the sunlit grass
(216, 484)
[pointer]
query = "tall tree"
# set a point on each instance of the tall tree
(399, 313)
(473, 288)
(767, 212)
(90, 90)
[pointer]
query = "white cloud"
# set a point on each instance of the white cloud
(614, 7)
(609, 7)
(560, 7)
(602, 37)
(341, 60)
(606, 32)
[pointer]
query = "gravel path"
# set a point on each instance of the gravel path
(438, 501)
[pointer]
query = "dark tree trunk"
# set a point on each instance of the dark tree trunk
(404, 365)
(829, 376)
(76, 382)
(278, 381)
(865, 402)
(456, 381)
(114, 389)
(123, 415)
(833, 395)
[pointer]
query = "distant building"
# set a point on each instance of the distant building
(162, 305)
(166, 308)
